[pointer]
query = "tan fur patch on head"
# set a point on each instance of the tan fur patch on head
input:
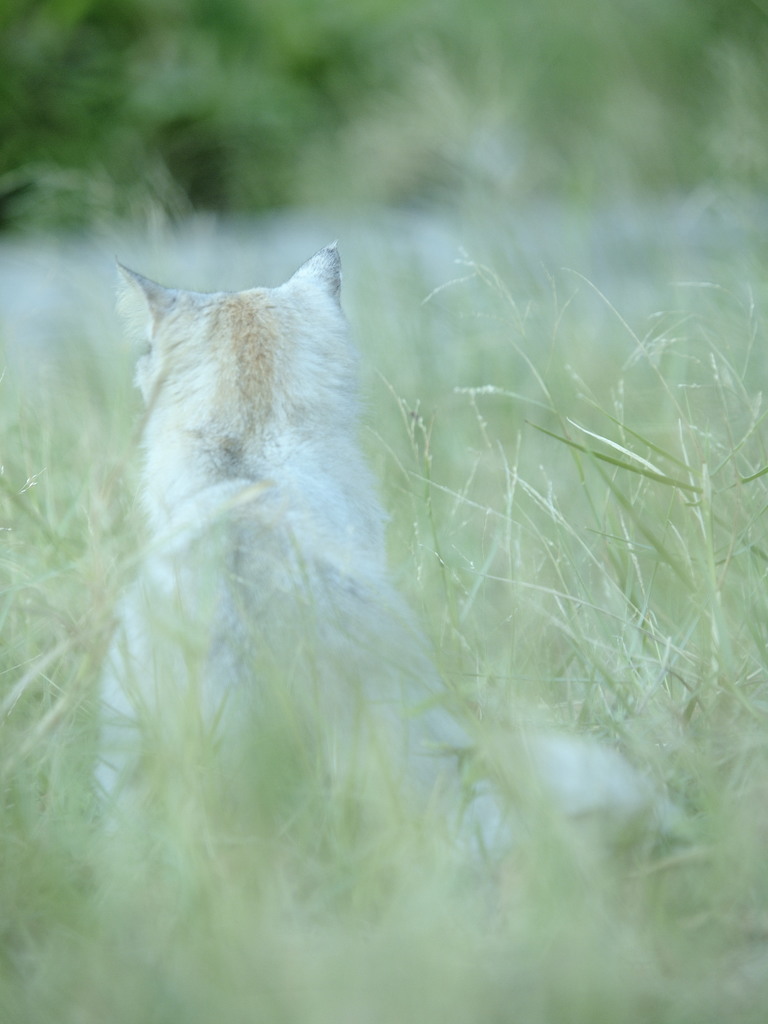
(245, 333)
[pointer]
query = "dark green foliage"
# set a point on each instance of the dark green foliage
(241, 105)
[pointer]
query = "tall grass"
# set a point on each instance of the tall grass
(577, 495)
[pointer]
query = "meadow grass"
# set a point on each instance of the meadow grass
(577, 497)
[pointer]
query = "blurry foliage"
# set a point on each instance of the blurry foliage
(239, 105)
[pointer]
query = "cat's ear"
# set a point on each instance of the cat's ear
(324, 268)
(140, 300)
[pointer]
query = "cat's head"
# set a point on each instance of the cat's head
(236, 368)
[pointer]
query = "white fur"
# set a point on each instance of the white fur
(266, 569)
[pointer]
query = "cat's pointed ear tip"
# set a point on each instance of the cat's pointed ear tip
(324, 268)
(327, 257)
(153, 295)
(126, 274)
(333, 268)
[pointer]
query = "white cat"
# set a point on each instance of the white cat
(264, 590)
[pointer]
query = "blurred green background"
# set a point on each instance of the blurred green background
(244, 105)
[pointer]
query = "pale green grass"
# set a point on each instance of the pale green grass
(578, 503)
